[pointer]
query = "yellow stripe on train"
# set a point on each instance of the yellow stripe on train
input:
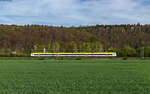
(57, 54)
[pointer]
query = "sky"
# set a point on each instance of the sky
(74, 12)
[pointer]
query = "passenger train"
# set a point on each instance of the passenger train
(81, 54)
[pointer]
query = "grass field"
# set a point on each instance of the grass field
(74, 76)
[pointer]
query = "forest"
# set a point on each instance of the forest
(126, 39)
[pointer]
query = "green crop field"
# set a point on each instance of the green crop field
(74, 76)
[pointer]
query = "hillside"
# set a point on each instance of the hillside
(127, 40)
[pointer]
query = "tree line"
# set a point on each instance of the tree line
(126, 40)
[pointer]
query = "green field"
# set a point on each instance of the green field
(74, 76)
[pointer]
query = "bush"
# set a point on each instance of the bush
(41, 58)
(127, 51)
(147, 51)
(125, 58)
(112, 49)
(78, 58)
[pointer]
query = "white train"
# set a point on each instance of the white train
(90, 54)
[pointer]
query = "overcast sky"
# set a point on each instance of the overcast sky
(74, 12)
